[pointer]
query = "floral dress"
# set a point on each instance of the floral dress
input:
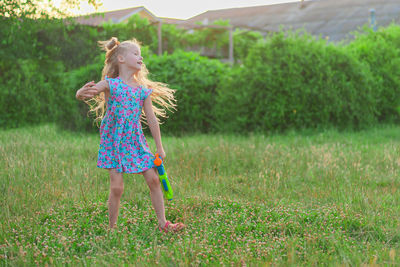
(122, 143)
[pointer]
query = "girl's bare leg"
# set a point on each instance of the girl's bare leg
(156, 195)
(116, 190)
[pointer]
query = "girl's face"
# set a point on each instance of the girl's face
(133, 58)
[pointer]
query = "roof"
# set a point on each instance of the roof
(334, 19)
(115, 16)
(172, 21)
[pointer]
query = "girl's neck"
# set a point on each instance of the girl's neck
(128, 77)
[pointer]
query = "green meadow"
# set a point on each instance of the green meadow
(300, 198)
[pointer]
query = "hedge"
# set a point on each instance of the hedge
(287, 81)
(295, 81)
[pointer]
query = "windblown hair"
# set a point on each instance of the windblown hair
(162, 96)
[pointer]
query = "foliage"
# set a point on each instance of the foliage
(243, 40)
(32, 71)
(74, 114)
(40, 8)
(289, 80)
(212, 40)
(173, 38)
(381, 51)
(28, 92)
(195, 78)
(295, 81)
(50, 40)
(135, 27)
(215, 41)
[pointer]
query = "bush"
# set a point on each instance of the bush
(135, 27)
(288, 81)
(381, 51)
(50, 40)
(74, 114)
(243, 41)
(295, 81)
(28, 92)
(195, 78)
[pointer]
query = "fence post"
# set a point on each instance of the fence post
(373, 19)
(159, 37)
(231, 59)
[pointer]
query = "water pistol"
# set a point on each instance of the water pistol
(162, 174)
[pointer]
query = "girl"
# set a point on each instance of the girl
(123, 91)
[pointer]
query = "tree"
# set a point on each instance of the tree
(40, 8)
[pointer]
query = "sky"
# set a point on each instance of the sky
(179, 9)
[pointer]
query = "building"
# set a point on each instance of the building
(331, 19)
(122, 15)
(334, 20)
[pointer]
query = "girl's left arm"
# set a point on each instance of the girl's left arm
(153, 125)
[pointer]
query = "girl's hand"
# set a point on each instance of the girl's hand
(161, 153)
(87, 91)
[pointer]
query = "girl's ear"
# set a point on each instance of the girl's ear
(121, 58)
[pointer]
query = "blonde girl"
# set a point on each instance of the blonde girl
(118, 100)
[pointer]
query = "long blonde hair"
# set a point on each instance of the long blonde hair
(162, 96)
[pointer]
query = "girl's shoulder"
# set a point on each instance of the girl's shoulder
(145, 92)
(112, 82)
(110, 79)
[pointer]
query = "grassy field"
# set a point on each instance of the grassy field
(296, 199)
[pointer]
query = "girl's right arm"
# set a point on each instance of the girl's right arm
(92, 89)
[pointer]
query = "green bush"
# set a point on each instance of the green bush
(294, 81)
(195, 78)
(135, 27)
(243, 40)
(28, 92)
(74, 114)
(381, 51)
(35, 54)
(288, 81)
(73, 44)
(50, 40)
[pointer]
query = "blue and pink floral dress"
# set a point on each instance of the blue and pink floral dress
(122, 142)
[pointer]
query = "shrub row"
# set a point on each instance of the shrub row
(290, 80)
(29, 93)
(381, 52)
(295, 81)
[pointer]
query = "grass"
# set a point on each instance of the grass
(297, 199)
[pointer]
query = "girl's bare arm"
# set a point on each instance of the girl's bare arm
(92, 89)
(153, 125)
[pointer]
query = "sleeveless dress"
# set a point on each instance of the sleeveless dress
(122, 142)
